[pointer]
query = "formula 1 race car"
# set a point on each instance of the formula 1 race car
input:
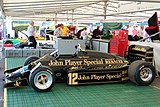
(83, 67)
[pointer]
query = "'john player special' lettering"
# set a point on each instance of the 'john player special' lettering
(139, 49)
(84, 62)
(75, 78)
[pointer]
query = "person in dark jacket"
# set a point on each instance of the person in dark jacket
(97, 33)
(78, 34)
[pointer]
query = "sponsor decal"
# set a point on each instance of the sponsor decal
(83, 56)
(86, 62)
(76, 78)
(55, 63)
(139, 49)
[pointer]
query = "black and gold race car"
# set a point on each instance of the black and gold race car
(83, 67)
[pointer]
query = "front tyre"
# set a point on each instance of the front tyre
(42, 79)
(30, 59)
(141, 73)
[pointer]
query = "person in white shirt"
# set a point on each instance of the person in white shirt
(141, 32)
(31, 34)
(84, 34)
(146, 35)
(130, 38)
(58, 31)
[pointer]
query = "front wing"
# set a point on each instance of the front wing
(15, 82)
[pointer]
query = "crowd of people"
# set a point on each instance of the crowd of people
(136, 33)
(63, 31)
(60, 31)
(66, 31)
(83, 34)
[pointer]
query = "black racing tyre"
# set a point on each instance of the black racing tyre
(42, 79)
(141, 73)
(30, 59)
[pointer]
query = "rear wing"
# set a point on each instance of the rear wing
(153, 26)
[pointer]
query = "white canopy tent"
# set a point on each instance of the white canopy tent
(80, 10)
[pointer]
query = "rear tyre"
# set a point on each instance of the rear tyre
(141, 73)
(30, 59)
(42, 79)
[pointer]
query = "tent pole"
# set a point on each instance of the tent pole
(3, 29)
(72, 17)
(105, 10)
(56, 18)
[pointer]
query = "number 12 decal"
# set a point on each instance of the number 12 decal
(72, 78)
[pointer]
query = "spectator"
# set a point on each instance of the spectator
(58, 30)
(97, 33)
(130, 38)
(141, 32)
(84, 34)
(134, 34)
(78, 34)
(134, 31)
(65, 30)
(31, 34)
(146, 35)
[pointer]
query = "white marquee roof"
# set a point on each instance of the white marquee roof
(80, 10)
